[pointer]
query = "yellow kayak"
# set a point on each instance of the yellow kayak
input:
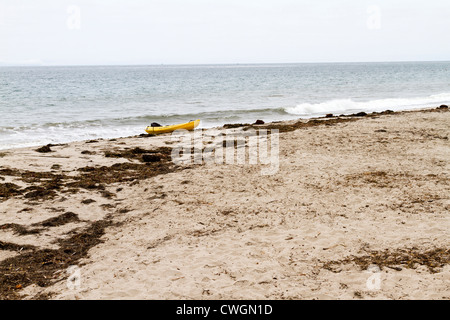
(167, 129)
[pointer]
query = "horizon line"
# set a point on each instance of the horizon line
(213, 64)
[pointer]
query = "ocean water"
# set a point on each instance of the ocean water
(41, 105)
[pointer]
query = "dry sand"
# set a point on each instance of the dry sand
(358, 210)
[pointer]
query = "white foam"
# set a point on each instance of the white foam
(348, 105)
(55, 135)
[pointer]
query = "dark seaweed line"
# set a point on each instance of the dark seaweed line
(90, 178)
(434, 259)
(40, 266)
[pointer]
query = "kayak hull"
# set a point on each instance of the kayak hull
(168, 129)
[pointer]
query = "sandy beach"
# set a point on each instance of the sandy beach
(358, 209)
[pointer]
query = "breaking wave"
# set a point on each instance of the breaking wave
(348, 105)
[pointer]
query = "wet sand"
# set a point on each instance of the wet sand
(358, 209)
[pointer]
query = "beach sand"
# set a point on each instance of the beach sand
(358, 209)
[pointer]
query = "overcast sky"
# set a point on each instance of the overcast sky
(61, 32)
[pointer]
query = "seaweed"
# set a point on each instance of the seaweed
(19, 229)
(409, 258)
(39, 266)
(8, 190)
(137, 153)
(60, 220)
(46, 184)
(44, 149)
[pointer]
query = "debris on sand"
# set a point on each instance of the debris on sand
(87, 152)
(151, 158)
(359, 114)
(44, 149)
(236, 125)
(409, 258)
(8, 190)
(40, 266)
(88, 201)
(59, 220)
(46, 184)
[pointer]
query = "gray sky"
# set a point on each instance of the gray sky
(62, 32)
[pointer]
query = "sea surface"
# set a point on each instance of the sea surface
(42, 105)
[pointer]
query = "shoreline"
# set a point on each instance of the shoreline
(237, 125)
(154, 230)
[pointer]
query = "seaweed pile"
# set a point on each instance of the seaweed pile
(46, 185)
(42, 266)
(409, 258)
